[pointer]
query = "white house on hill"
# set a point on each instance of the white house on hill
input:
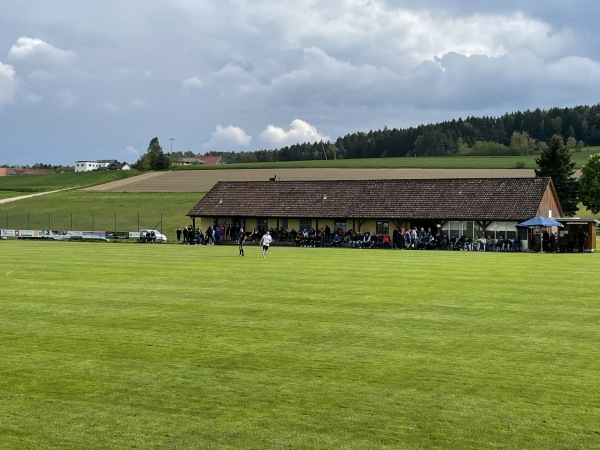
(101, 164)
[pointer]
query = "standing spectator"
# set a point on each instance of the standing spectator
(396, 237)
(217, 233)
(581, 238)
(185, 235)
(546, 241)
(178, 234)
(322, 238)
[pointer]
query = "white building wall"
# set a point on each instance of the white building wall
(87, 166)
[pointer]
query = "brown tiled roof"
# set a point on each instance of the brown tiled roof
(452, 199)
(198, 160)
(211, 159)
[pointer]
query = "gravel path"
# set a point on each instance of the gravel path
(21, 197)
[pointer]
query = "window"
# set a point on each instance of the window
(283, 223)
(382, 227)
(340, 224)
(304, 223)
(504, 229)
(262, 223)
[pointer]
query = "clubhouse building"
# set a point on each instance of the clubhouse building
(454, 207)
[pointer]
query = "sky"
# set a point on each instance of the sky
(88, 79)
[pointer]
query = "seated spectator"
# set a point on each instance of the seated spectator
(499, 243)
(366, 240)
(312, 236)
(431, 243)
(444, 243)
(337, 240)
(460, 244)
(468, 244)
(385, 241)
(482, 243)
(375, 241)
(305, 239)
(453, 240)
(516, 245)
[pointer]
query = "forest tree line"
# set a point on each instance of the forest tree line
(512, 134)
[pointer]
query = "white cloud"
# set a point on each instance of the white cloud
(299, 132)
(33, 98)
(109, 105)
(36, 51)
(192, 82)
(323, 79)
(228, 138)
(137, 103)
(9, 84)
(66, 99)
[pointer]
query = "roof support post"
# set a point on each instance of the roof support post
(483, 224)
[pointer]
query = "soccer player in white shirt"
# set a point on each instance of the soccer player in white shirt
(265, 241)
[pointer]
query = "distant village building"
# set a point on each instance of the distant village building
(196, 160)
(101, 164)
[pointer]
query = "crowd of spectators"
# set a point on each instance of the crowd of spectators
(401, 239)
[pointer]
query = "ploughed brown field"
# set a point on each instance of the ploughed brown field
(204, 180)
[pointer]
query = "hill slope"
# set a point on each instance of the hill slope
(204, 180)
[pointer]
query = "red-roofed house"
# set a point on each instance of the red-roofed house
(195, 160)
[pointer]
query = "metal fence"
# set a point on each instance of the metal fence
(79, 221)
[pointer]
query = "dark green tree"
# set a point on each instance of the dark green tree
(589, 184)
(555, 162)
(154, 158)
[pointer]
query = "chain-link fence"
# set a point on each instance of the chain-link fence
(80, 221)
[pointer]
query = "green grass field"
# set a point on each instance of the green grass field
(112, 346)
(427, 162)
(43, 183)
(108, 211)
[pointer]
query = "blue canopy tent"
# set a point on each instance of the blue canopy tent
(540, 222)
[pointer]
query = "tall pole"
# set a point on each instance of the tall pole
(171, 139)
